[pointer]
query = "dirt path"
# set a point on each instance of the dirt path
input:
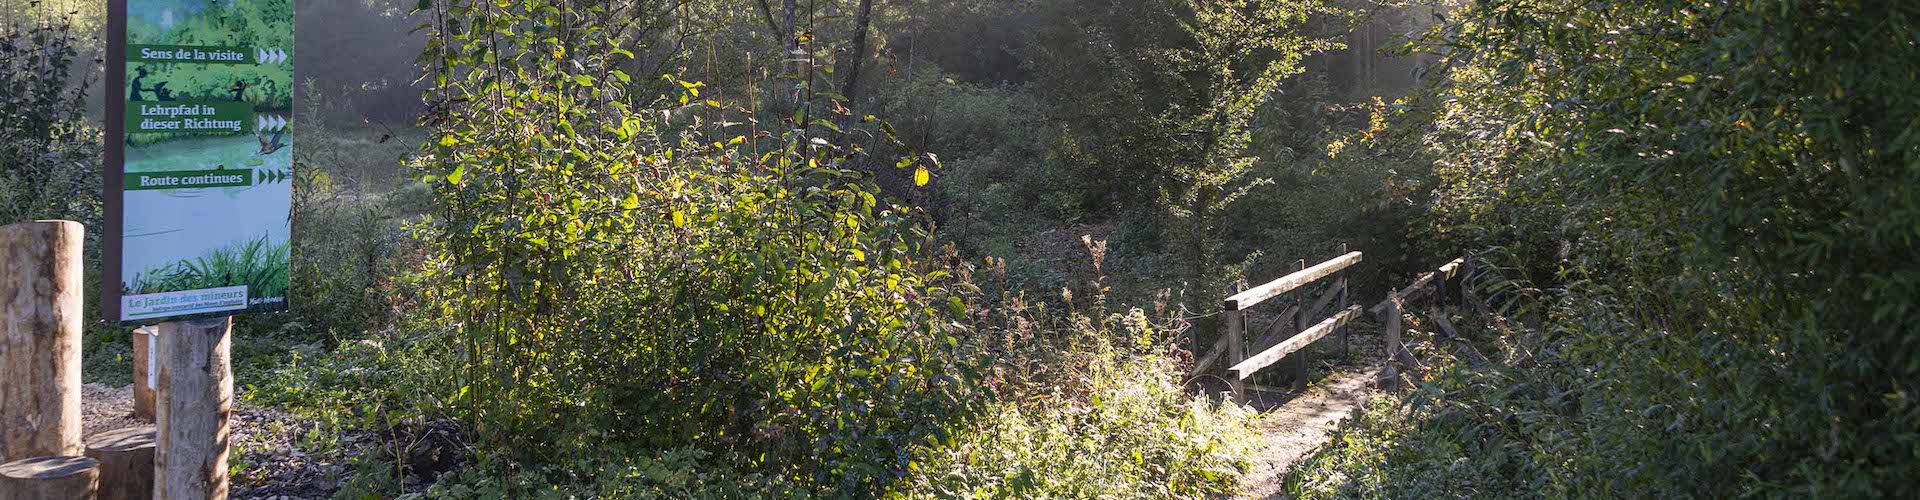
(1295, 429)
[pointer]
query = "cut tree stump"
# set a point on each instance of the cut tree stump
(126, 462)
(49, 478)
(143, 372)
(40, 315)
(195, 405)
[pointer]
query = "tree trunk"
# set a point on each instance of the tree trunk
(126, 462)
(40, 311)
(49, 478)
(858, 58)
(143, 372)
(195, 403)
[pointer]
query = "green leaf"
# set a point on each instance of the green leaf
(459, 173)
(632, 201)
(1688, 78)
(957, 308)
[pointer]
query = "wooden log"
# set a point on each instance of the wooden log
(194, 402)
(1289, 282)
(49, 478)
(126, 462)
(40, 322)
(1298, 342)
(143, 372)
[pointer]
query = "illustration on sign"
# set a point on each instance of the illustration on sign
(205, 181)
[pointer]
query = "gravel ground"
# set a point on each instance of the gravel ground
(271, 463)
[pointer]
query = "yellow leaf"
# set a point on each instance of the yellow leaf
(921, 176)
(679, 219)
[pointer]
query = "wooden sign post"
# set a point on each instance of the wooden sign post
(197, 197)
(195, 404)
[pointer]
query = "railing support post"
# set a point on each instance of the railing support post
(1300, 325)
(1236, 330)
(1390, 324)
(1340, 304)
(1236, 349)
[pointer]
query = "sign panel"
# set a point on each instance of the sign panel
(200, 158)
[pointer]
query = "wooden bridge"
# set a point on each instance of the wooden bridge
(1308, 317)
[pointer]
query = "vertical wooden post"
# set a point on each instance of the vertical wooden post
(1390, 324)
(40, 322)
(194, 402)
(143, 372)
(1300, 325)
(1236, 350)
(1465, 283)
(1340, 304)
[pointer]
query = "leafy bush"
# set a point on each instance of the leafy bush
(1126, 430)
(624, 272)
(50, 150)
(1698, 230)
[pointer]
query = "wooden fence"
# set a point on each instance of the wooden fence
(1390, 311)
(1300, 313)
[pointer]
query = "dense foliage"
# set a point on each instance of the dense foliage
(46, 143)
(1703, 214)
(636, 272)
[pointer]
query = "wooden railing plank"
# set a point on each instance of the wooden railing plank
(1289, 282)
(1298, 342)
(1419, 286)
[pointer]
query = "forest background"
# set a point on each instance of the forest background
(1011, 221)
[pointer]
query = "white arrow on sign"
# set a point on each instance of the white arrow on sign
(270, 123)
(270, 56)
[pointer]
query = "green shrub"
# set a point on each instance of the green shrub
(1127, 431)
(1708, 218)
(620, 279)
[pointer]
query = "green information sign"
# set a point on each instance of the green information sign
(201, 143)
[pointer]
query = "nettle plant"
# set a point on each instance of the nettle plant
(629, 272)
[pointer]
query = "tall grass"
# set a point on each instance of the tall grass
(260, 264)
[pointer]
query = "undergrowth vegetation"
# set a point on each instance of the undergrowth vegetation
(1698, 247)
